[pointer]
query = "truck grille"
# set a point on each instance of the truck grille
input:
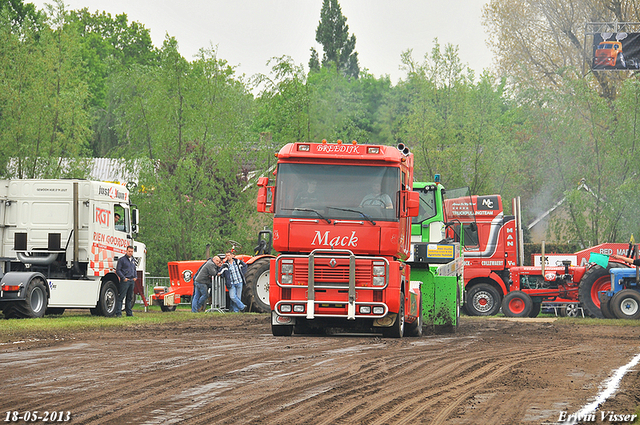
(339, 274)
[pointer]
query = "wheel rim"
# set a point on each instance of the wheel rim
(110, 300)
(516, 305)
(262, 287)
(601, 284)
(482, 301)
(629, 306)
(37, 300)
(572, 310)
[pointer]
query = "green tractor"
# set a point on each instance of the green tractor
(437, 260)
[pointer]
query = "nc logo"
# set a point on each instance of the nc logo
(487, 203)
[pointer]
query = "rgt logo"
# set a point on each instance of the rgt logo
(102, 216)
(326, 239)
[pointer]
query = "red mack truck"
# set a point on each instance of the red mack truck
(342, 226)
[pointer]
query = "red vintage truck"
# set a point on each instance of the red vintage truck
(493, 263)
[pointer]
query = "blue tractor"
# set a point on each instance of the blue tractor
(622, 301)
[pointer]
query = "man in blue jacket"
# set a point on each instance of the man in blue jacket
(126, 271)
(233, 271)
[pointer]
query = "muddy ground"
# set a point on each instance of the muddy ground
(230, 369)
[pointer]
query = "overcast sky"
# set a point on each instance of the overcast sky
(249, 32)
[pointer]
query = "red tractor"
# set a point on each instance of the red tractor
(254, 294)
(531, 285)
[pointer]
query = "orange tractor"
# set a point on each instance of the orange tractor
(255, 293)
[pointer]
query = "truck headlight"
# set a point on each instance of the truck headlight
(378, 281)
(287, 268)
(287, 278)
(285, 308)
(378, 310)
(378, 270)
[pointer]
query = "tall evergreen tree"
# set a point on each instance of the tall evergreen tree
(333, 34)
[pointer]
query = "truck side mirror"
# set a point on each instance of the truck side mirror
(413, 203)
(410, 206)
(265, 195)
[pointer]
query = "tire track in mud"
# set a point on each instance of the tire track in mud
(310, 389)
(153, 389)
(241, 374)
(407, 397)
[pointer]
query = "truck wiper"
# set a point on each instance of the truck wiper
(308, 210)
(355, 211)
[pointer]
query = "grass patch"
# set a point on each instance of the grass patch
(572, 320)
(82, 320)
(598, 322)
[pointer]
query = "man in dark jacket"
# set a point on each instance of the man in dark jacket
(126, 271)
(202, 282)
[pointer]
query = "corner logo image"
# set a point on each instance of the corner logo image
(113, 193)
(488, 203)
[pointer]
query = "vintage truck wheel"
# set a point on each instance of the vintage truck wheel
(517, 304)
(108, 299)
(397, 329)
(415, 329)
(482, 300)
(626, 304)
(256, 291)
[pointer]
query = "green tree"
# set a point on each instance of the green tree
(456, 127)
(333, 34)
(44, 125)
(109, 46)
(191, 119)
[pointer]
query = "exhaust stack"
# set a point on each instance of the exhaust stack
(404, 149)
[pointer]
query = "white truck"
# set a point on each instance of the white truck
(60, 243)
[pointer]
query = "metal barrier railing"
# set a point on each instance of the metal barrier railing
(218, 293)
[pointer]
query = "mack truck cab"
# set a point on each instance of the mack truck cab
(342, 224)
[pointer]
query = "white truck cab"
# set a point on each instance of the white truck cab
(60, 241)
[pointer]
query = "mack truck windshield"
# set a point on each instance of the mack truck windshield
(342, 226)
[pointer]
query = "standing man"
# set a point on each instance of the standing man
(234, 274)
(126, 271)
(202, 282)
